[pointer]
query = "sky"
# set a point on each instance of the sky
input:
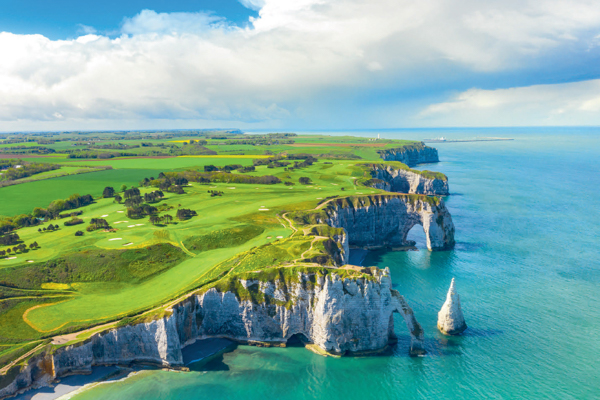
(298, 64)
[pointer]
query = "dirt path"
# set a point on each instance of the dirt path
(4, 370)
(62, 339)
(317, 238)
(284, 216)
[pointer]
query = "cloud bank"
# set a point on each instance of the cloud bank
(312, 64)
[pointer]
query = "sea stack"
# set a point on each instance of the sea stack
(450, 318)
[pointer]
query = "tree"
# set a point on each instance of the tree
(167, 218)
(108, 192)
(40, 230)
(118, 198)
(32, 246)
(8, 250)
(304, 180)
(123, 188)
(79, 233)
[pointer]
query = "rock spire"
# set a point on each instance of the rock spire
(450, 318)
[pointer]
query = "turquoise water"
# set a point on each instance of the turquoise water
(527, 265)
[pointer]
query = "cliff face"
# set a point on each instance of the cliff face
(385, 220)
(337, 311)
(407, 181)
(411, 155)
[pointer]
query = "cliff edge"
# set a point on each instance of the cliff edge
(339, 311)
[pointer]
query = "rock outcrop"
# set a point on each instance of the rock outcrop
(411, 155)
(337, 310)
(385, 220)
(399, 180)
(450, 318)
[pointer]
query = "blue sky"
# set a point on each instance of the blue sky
(298, 64)
(62, 19)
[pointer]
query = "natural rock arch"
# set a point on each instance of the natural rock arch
(385, 220)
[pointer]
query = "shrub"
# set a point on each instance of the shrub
(74, 221)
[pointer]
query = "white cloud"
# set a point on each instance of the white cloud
(575, 103)
(296, 56)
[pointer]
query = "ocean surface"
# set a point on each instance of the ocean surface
(527, 268)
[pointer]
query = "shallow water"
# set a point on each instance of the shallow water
(527, 266)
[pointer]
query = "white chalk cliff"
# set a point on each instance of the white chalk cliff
(450, 318)
(411, 155)
(391, 179)
(385, 220)
(338, 311)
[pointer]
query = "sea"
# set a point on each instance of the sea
(527, 269)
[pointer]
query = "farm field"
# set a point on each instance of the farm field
(138, 262)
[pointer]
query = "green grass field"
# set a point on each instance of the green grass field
(74, 282)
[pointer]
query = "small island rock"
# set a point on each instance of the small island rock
(450, 318)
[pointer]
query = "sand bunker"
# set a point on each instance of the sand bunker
(110, 240)
(128, 244)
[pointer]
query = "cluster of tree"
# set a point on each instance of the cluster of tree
(278, 164)
(25, 170)
(74, 221)
(163, 220)
(132, 192)
(310, 160)
(266, 161)
(289, 183)
(108, 192)
(200, 142)
(27, 150)
(171, 184)
(140, 211)
(9, 239)
(98, 154)
(40, 215)
(71, 214)
(196, 150)
(50, 228)
(112, 146)
(10, 162)
(54, 209)
(214, 193)
(224, 177)
(251, 168)
(259, 142)
(134, 201)
(20, 248)
(305, 180)
(79, 233)
(153, 197)
(184, 213)
(97, 223)
(226, 168)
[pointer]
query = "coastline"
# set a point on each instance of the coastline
(196, 353)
